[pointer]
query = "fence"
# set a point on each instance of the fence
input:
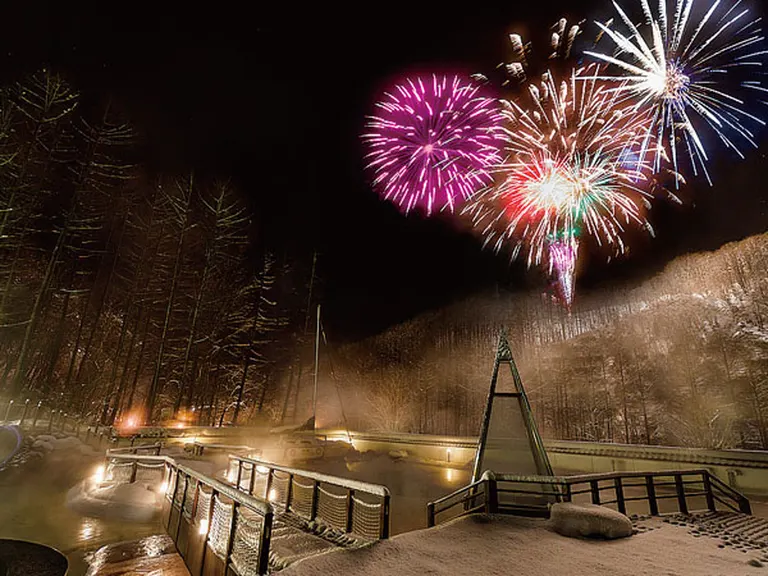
(34, 418)
(217, 529)
(357, 509)
(654, 493)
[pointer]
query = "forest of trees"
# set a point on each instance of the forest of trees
(681, 359)
(124, 292)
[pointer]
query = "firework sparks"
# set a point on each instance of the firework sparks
(691, 73)
(570, 169)
(432, 143)
(562, 257)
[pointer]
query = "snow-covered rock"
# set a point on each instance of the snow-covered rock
(589, 520)
(129, 502)
(43, 444)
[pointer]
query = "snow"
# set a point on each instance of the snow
(130, 502)
(501, 545)
(576, 520)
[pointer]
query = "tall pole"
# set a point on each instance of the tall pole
(317, 365)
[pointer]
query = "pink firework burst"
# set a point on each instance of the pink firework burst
(432, 142)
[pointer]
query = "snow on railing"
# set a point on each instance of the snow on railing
(687, 490)
(352, 509)
(217, 528)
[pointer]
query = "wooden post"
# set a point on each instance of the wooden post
(594, 486)
(430, 514)
(619, 495)
(653, 504)
(708, 491)
(315, 498)
(134, 469)
(50, 420)
(239, 475)
(384, 520)
(87, 434)
(681, 494)
(350, 510)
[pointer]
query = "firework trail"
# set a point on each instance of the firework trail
(692, 73)
(432, 142)
(571, 169)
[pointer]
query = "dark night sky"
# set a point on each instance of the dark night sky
(277, 100)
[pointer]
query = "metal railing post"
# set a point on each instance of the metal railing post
(384, 519)
(173, 497)
(315, 498)
(264, 541)
(181, 508)
(268, 483)
(430, 514)
(134, 469)
(24, 414)
(289, 493)
(350, 511)
(681, 502)
(620, 503)
(208, 531)
(650, 488)
(239, 474)
(37, 414)
(594, 486)
(708, 491)
(491, 494)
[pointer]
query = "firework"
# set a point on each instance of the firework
(432, 142)
(692, 71)
(570, 169)
(562, 256)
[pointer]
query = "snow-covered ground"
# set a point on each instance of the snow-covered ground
(502, 545)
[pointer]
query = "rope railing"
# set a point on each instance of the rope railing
(217, 528)
(687, 490)
(349, 507)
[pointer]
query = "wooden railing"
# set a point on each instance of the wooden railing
(661, 492)
(347, 506)
(217, 529)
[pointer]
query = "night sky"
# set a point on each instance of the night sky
(276, 99)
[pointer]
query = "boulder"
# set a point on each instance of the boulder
(42, 444)
(589, 521)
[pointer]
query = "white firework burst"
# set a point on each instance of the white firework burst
(694, 68)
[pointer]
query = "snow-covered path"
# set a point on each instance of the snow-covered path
(502, 545)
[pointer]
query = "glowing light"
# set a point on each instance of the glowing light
(203, 528)
(692, 70)
(272, 497)
(231, 476)
(99, 474)
(262, 469)
(164, 488)
(432, 142)
(449, 474)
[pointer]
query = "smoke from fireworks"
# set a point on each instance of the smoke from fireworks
(432, 142)
(691, 73)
